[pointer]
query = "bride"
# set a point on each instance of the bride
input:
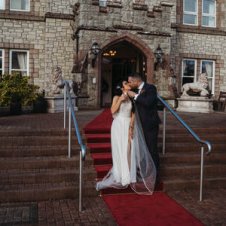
(132, 162)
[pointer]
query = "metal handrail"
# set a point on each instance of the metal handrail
(202, 142)
(67, 96)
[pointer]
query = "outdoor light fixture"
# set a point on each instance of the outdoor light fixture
(158, 54)
(95, 49)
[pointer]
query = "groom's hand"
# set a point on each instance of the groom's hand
(131, 94)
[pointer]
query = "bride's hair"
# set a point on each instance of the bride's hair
(118, 89)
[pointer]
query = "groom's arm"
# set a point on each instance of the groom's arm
(148, 98)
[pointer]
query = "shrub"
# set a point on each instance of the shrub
(15, 90)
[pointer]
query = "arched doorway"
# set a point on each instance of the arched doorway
(118, 61)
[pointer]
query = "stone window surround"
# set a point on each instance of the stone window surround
(33, 54)
(195, 27)
(218, 64)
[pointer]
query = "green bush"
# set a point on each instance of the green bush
(15, 90)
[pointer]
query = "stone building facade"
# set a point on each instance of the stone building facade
(47, 33)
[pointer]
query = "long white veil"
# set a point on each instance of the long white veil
(143, 171)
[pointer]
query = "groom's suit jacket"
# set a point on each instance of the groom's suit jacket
(146, 106)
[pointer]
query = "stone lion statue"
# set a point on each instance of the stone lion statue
(59, 82)
(197, 87)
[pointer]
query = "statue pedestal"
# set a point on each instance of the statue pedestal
(195, 104)
(56, 104)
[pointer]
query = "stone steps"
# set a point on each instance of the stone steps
(34, 166)
(45, 191)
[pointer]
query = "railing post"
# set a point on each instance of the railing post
(80, 181)
(69, 132)
(201, 173)
(164, 132)
(65, 104)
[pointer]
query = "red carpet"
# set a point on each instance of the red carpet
(127, 207)
(155, 210)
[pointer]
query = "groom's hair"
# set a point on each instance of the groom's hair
(137, 76)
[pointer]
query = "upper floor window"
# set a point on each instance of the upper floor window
(190, 8)
(19, 61)
(209, 13)
(20, 5)
(1, 62)
(199, 12)
(2, 4)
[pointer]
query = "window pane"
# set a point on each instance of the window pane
(190, 19)
(190, 5)
(188, 68)
(208, 21)
(2, 4)
(19, 61)
(209, 6)
(207, 67)
(19, 4)
(0, 53)
(0, 63)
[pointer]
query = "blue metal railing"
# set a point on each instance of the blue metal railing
(202, 142)
(68, 99)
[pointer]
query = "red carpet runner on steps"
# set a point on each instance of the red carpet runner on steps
(128, 208)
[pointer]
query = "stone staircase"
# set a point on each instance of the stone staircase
(34, 166)
(180, 166)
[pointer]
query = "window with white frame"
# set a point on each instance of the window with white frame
(209, 13)
(190, 12)
(20, 5)
(2, 4)
(19, 61)
(188, 71)
(1, 62)
(208, 67)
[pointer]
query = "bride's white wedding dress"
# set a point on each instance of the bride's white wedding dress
(132, 162)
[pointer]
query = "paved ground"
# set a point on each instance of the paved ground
(211, 211)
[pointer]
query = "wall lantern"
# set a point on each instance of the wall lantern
(95, 49)
(158, 54)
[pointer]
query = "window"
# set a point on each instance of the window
(1, 62)
(209, 13)
(190, 8)
(188, 71)
(2, 4)
(208, 67)
(19, 61)
(20, 5)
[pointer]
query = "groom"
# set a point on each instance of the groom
(146, 106)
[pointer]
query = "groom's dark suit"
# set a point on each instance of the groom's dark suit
(146, 106)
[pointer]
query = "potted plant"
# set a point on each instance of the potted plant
(16, 91)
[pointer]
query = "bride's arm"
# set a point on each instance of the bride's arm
(117, 100)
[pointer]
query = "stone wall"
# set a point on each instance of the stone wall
(46, 34)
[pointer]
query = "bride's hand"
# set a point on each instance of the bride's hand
(123, 97)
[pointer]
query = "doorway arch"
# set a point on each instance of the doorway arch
(120, 56)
